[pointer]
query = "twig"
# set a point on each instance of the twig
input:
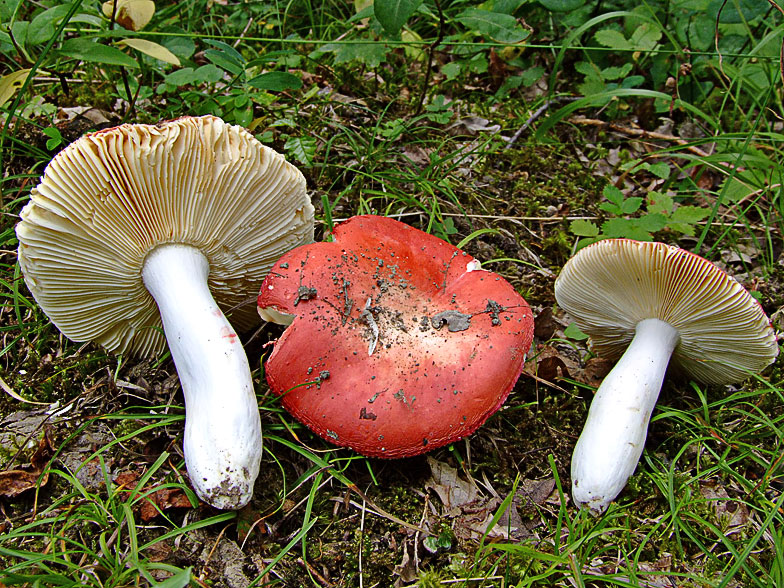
(310, 569)
(537, 113)
(642, 133)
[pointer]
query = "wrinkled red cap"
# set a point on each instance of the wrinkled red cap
(400, 343)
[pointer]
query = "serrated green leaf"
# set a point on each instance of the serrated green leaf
(638, 234)
(659, 203)
(303, 149)
(371, 54)
(632, 81)
(152, 49)
(613, 194)
(652, 222)
(616, 73)
(584, 228)
(91, 52)
(612, 39)
(689, 214)
(618, 228)
(631, 205)
(684, 228)
(611, 208)
(393, 14)
(660, 170)
(645, 37)
(275, 81)
(587, 69)
(503, 28)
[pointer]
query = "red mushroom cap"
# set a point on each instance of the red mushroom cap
(401, 343)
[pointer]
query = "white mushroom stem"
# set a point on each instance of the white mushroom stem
(614, 434)
(222, 426)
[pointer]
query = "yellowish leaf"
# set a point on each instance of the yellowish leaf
(152, 49)
(131, 14)
(11, 83)
(413, 45)
(360, 5)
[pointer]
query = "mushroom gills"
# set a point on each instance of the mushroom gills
(222, 443)
(613, 438)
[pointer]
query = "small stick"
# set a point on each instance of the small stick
(642, 133)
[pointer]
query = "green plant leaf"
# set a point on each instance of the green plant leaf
(503, 28)
(631, 205)
(612, 39)
(561, 5)
(42, 27)
(735, 12)
(181, 579)
(660, 170)
(652, 222)
(620, 228)
(613, 194)
(226, 57)
(303, 149)
(573, 332)
(393, 14)
(7, 9)
(616, 73)
(584, 228)
(451, 70)
(689, 214)
(92, 52)
(371, 54)
(152, 49)
(645, 37)
(659, 203)
(55, 138)
(208, 73)
(275, 81)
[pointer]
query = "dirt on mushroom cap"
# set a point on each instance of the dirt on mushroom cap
(401, 343)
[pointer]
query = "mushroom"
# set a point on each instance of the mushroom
(662, 305)
(399, 343)
(188, 215)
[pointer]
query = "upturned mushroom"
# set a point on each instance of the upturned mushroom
(174, 224)
(652, 305)
(399, 342)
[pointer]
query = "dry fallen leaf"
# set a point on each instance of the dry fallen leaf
(733, 513)
(451, 489)
(16, 481)
(164, 499)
